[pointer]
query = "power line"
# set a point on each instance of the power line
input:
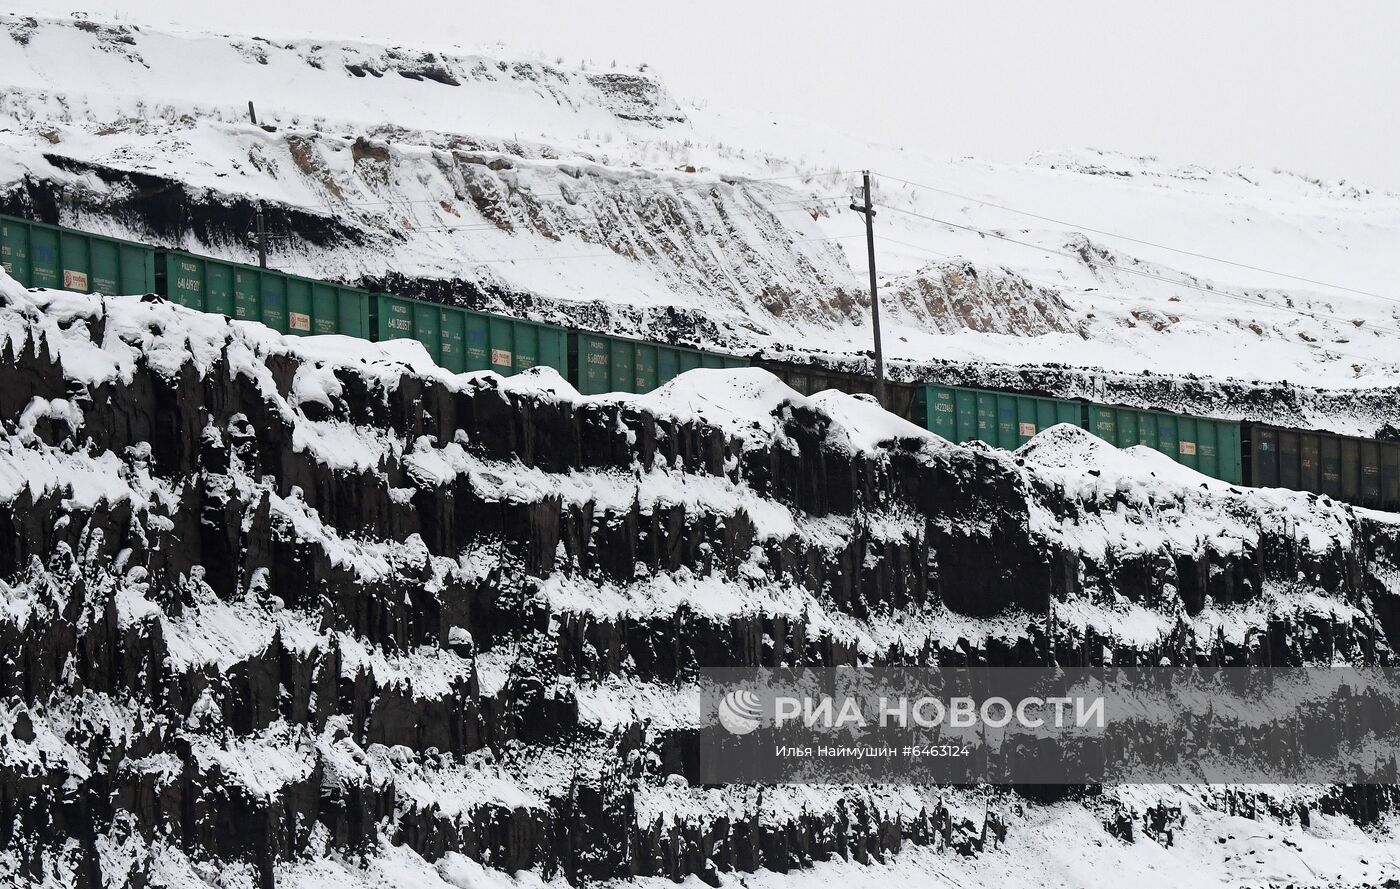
(804, 205)
(671, 185)
(511, 259)
(981, 232)
(1177, 283)
(1110, 234)
(1089, 260)
(1054, 286)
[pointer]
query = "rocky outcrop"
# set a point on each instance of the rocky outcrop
(952, 296)
(261, 606)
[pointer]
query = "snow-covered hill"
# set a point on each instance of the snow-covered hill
(593, 195)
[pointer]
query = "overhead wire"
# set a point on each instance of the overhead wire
(672, 185)
(804, 205)
(1090, 260)
(1381, 331)
(511, 259)
(1143, 241)
(807, 204)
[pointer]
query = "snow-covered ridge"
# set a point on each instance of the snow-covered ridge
(130, 62)
(591, 196)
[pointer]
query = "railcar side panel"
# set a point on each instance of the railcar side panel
(299, 307)
(1370, 473)
(1331, 467)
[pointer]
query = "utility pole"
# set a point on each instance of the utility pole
(262, 237)
(869, 212)
(262, 225)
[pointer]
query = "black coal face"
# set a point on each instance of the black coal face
(234, 477)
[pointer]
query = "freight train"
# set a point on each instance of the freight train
(1361, 471)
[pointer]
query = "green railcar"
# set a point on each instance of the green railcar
(40, 255)
(599, 363)
(462, 340)
(1356, 470)
(391, 318)
(1211, 447)
(286, 303)
(1000, 419)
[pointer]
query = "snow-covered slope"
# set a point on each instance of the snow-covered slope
(593, 195)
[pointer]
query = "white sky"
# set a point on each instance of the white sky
(1310, 87)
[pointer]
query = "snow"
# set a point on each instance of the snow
(866, 423)
(1060, 845)
(1068, 447)
(1153, 504)
(751, 403)
(426, 672)
(221, 634)
(542, 179)
(454, 788)
(262, 763)
(84, 481)
(315, 385)
(741, 402)
(592, 214)
(616, 703)
(44, 409)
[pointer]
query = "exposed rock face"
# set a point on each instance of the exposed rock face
(953, 296)
(264, 602)
(636, 97)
